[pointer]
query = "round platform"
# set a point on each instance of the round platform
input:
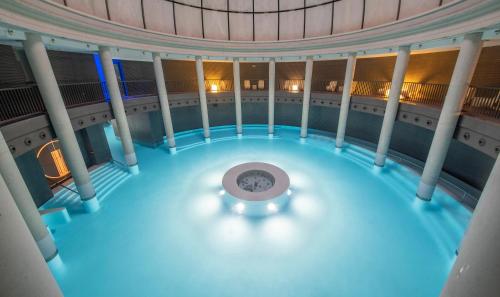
(256, 188)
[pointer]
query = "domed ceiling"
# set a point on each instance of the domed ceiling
(253, 20)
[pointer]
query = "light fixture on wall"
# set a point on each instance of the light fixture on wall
(214, 88)
(295, 88)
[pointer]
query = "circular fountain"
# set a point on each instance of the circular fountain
(256, 188)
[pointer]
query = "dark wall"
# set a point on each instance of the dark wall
(462, 161)
(96, 144)
(255, 71)
(186, 118)
(34, 177)
(73, 67)
(290, 70)
(146, 128)
(11, 71)
(254, 112)
(137, 70)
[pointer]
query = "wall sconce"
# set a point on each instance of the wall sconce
(295, 88)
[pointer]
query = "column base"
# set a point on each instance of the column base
(339, 143)
(91, 205)
(47, 247)
(303, 139)
(172, 150)
(270, 135)
(239, 135)
(133, 169)
(207, 140)
(425, 191)
(380, 160)
(131, 158)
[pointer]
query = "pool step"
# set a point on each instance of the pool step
(105, 179)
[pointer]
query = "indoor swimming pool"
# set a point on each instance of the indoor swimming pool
(348, 229)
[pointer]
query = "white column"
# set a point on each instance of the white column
(476, 270)
(59, 118)
(272, 80)
(164, 105)
(346, 99)
(24, 201)
(307, 97)
(203, 98)
(118, 109)
(23, 271)
(470, 50)
(237, 95)
(391, 109)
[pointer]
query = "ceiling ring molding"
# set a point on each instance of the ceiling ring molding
(440, 27)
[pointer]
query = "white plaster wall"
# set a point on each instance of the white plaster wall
(318, 20)
(266, 25)
(128, 12)
(379, 12)
(241, 26)
(188, 19)
(159, 16)
(347, 16)
(411, 7)
(93, 7)
(215, 24)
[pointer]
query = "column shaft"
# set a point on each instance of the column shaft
(272, 80)
(477, 267)
(162, 96)
(452, 107)
(307, 97)
(203, 98)
(23, 270)
(59, 118)
(346, 99)
(24, 201)
(391, 109)
(118, 108)
(237, 95)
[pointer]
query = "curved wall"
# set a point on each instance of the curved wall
(253, 20)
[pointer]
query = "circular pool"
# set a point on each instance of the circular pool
(349, 229)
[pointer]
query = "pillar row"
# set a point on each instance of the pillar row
(272, 80)
(346, 99)
(237, 95)
(452, 107)
(203, 98)
(118, 109)
(164, 105)
(23, 270)
(59, 118)
(25, 202)
(391, 109)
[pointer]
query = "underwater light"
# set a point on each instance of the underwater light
(239, 207)
(272, 208)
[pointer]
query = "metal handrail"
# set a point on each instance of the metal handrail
(18, 103)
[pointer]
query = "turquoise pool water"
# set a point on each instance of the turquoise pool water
(349, 230)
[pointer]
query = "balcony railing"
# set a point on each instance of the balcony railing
(20, 103)
(77, 94)
(23, 102)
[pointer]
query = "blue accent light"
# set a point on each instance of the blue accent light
(118, 64)
(102, 77)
